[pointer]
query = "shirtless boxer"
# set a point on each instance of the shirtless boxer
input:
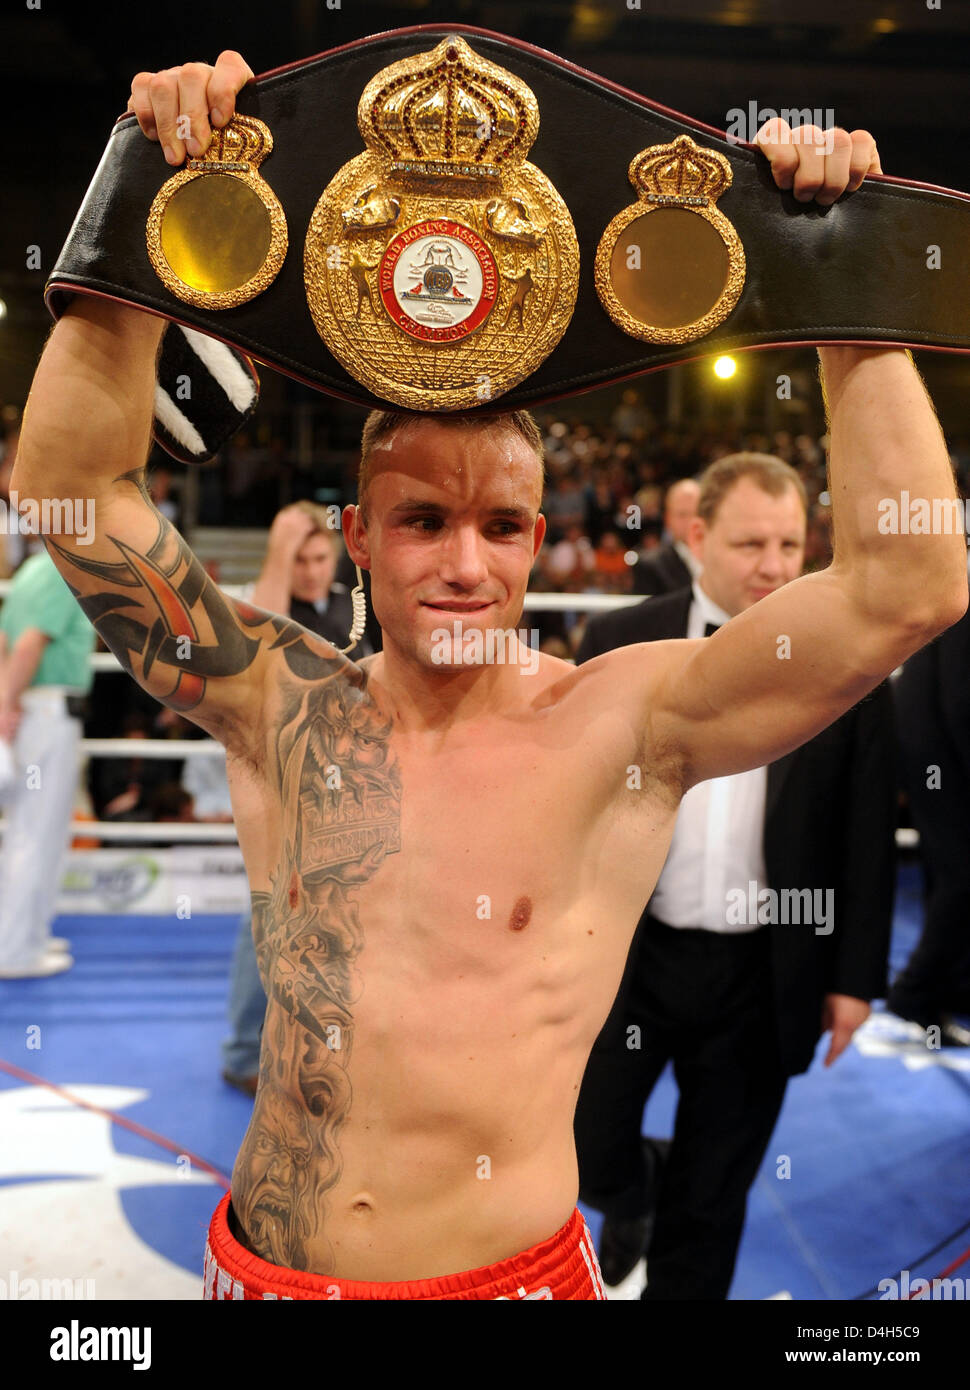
(447, 862)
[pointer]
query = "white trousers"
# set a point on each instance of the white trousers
(38, 806)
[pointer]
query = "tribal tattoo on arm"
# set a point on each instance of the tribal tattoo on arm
(169, 624)
(341, 793)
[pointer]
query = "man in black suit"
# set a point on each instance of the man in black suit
(932, 699)
(673, 565)
(722, 978)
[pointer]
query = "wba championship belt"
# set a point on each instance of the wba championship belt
(497, 228)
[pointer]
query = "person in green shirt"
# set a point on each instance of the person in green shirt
(45, 649)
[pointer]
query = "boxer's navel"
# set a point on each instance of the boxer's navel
(362, 1205)
(521, 914)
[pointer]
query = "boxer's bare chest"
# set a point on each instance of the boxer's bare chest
(460, 851)
(494, 814)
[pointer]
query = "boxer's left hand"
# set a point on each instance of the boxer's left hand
(842, 1014)
(818, 164)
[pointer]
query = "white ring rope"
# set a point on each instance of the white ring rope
(535, 601)
(179, 832)
(152, 748)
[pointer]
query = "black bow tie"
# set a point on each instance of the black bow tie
(711, 627)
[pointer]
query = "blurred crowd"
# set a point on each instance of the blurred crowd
(605, 489)
(611, 506)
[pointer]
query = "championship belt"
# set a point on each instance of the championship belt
(498, 229)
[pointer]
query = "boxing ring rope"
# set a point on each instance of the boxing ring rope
(944, 1273)
(123, 1121)
(179, 832)
(544, 602)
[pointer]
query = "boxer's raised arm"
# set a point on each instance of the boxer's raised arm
(789, 665)
(85, 436)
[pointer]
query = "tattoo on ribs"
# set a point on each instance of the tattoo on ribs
(308, 936)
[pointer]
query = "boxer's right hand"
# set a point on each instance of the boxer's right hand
(198, 91)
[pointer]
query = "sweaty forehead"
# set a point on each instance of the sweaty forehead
(460, 463)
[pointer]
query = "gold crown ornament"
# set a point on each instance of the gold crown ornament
(440, 266)
(216, 232)
(670, 267)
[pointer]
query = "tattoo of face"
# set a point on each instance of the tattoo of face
(278, 1217)
(308, 936)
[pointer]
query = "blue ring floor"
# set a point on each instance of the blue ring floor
(876, 1145)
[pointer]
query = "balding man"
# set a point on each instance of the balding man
(674, 564)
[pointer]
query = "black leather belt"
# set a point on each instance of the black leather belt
(858, 271)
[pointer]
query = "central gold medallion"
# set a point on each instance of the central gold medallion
(440, 266)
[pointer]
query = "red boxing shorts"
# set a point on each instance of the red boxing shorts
(564, 1266)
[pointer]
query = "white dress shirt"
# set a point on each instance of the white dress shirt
(718, 835)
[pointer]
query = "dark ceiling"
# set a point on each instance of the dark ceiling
(896, 67)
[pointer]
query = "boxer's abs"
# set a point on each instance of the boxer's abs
(420, 1151)
(419, 1072)
(421, 1061)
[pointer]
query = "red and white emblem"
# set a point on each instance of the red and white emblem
(438, 281)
